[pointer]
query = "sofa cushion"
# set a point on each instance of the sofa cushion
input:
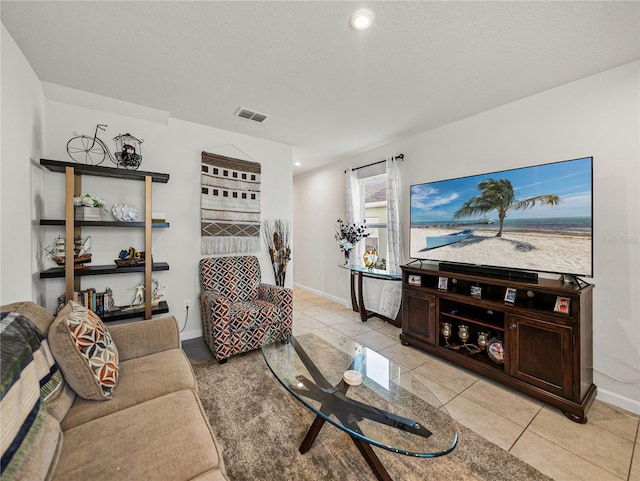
(247, 315)
(167, 438)
(85, 352)
(213, 475)
(140, 338)
(141, 379)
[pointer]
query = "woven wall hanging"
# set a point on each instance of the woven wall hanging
(229, 205)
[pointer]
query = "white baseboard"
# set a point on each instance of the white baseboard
(186, 335)
(631, 405)
(319, 293)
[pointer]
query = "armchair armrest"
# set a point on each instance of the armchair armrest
(281, 297)
(215, 309)
(138, 339)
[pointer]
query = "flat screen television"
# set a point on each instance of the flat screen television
(531, 219)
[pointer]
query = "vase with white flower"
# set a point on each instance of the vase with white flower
(88, 207)
(348, 236)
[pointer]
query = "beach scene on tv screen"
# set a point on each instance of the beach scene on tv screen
(535, 218)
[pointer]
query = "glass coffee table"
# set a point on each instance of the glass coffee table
(358, 390)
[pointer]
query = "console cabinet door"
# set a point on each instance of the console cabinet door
(419, 315)
(540, 353)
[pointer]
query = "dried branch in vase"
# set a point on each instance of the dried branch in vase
(276, 234)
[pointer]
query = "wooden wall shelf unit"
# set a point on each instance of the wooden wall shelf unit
(547, 355)
(73, 182)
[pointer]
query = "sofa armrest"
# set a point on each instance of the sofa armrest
(138, 339)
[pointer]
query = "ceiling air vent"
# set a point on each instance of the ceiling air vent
(251, 115)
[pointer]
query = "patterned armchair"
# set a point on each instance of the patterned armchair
(238, 311)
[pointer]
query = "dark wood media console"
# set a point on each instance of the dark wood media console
(547, 354)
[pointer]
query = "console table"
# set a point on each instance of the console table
(359, 272)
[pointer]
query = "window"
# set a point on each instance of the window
(374, 210)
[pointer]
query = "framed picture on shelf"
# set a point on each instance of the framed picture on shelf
(562, 305)
(510, 295)
(443, 282)
(476, 291)
(414, 280)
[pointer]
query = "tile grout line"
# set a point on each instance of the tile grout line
(526, 428)
(581, 457)
(633, 452)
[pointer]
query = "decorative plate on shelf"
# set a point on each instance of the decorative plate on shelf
(124, 212)
(495, 350)
(370, 257)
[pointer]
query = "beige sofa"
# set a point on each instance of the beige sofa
(152, 428)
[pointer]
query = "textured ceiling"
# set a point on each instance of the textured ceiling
(329, 89)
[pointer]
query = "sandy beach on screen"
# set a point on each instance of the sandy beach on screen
(556, 252)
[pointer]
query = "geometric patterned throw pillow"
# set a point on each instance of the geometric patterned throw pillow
(85, 352)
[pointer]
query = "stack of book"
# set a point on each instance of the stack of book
(98, 302)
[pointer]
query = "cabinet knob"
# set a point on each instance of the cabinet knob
(431, 304)
(512, 327)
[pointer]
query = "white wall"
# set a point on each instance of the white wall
(597, 116)
(22, 139)
(170, 146)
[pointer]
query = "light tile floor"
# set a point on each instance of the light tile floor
(606, 448)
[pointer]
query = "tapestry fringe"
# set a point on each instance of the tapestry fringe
(229, 245)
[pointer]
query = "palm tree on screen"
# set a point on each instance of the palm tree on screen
(499, 195)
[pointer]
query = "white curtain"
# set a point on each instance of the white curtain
(392, 291)
(394, 230)
(354, 211)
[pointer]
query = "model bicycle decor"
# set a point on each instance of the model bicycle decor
(92, 150)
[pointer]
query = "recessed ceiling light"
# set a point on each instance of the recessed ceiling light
(362, 19)
(297, 164)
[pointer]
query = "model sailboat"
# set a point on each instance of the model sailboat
(81, 254)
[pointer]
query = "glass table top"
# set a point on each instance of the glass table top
(376, 273)
(379, 410)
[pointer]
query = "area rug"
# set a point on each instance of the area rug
(260, 426)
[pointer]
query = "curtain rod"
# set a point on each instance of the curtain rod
(399, 156)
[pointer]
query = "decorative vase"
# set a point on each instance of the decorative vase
(347, 255)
